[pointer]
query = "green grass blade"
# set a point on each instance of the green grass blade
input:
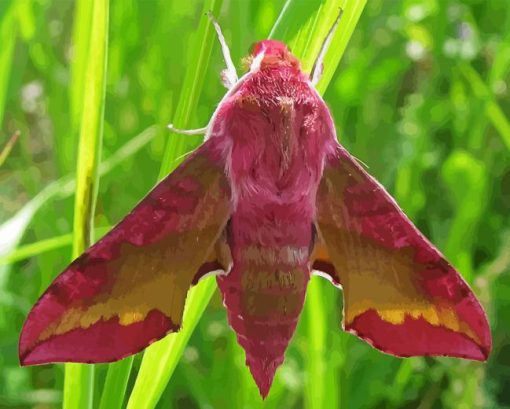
(79, 379)
(304, 26)
(350, 17)
(314, 360)
(91, 130)
(43, 246)
(201, 48)
(465, 176)
(492, 109)
(81, 40)
(78, 386)
(66, 141)
(115, 385)
(33, 249)
(129, 149)
(8, 147)
(160, 359)
(11, 231)
(8, 34)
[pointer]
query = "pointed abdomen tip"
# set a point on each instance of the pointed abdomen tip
(263, 373)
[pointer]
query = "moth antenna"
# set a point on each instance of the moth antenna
(318, 67)
(229, 76)
(198, 131)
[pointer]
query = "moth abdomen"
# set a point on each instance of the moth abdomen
(263, 309)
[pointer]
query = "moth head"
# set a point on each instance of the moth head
(271, 53)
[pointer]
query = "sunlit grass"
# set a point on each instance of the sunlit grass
(420, 95)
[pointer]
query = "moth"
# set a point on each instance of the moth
(269, 198)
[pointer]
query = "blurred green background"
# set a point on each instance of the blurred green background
(421, 96)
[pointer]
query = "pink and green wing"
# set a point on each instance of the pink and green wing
(400, 294)
(129, 289)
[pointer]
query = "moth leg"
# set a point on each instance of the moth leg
(318, 67)
(228, 75)
(198, 131)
